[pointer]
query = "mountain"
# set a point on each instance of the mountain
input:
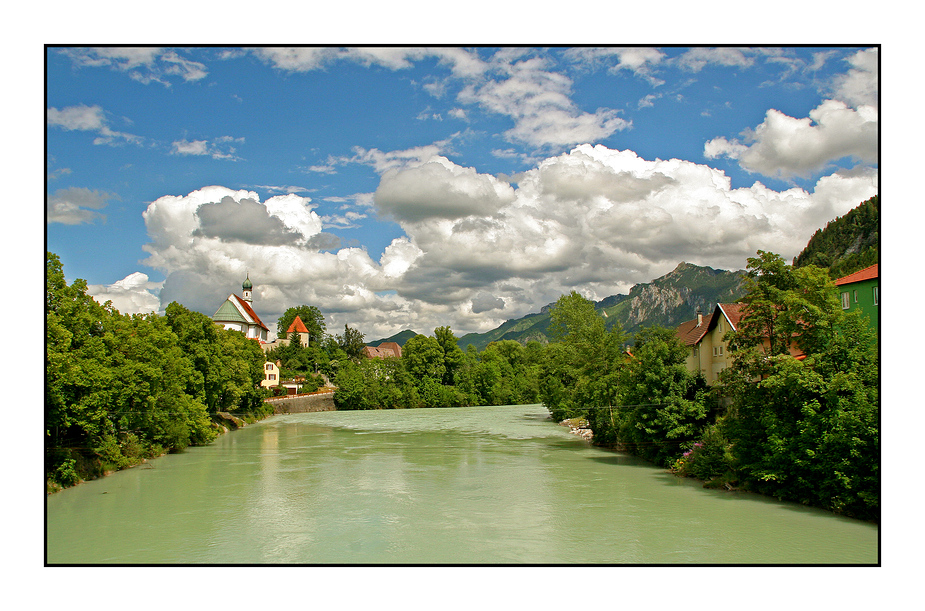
(399, 338)
(666, 301)
(847, 244)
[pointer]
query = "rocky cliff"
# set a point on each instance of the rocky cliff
(666, 301)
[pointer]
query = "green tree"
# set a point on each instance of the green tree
(197, 336)
(452, 354)
(785, 305)
(805, 429)
(663, 403)
(351, 342)
(583, 371)
(423, 358)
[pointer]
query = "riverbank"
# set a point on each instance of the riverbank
(580, 427)
(87, 469)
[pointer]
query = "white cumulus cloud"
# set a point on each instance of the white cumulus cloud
(477, 250)
(134, 294)
(784, 146)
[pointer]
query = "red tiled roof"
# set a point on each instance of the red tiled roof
(734, 312)
(868, 273)
(393, 346)
(297, 325)
(691, 334)
(250, 312)
(383, 350)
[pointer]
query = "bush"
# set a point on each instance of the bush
(706, 459)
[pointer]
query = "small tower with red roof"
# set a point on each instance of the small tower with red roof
(298, 327)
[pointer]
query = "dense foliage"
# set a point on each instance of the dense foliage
(801, 415)
(847, 244)
(806, 430)
(122, 388)
(434, 372)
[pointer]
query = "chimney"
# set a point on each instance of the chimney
(699, 316)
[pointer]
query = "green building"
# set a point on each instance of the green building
(861, 291)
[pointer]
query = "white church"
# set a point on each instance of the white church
(237, 314)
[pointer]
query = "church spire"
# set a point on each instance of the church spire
(246, 288)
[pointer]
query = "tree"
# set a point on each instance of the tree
(785, 306)
(452, 354)
(310, 316)
(423, 358)
(351, 342)
(804, 429)
(582, 372)
(662, 407)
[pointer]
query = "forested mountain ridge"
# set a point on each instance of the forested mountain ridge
(847, 244)
(667, 301)
(399, 338)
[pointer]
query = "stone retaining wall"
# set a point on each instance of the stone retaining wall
(300, 404)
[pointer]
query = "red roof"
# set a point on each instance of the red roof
(297, 325)
(250, 312)
(691, 333)
(383, 350)
(734, 312)
(868, 273)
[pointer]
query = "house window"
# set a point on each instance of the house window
(717, 351)
(876, 295)
(855, 297)
(845, 301)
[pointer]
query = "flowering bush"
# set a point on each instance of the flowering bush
(706, 459)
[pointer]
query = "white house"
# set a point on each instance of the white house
(237, 314)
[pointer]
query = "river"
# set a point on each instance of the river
(484, 485)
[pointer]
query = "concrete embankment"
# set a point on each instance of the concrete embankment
(321, 401)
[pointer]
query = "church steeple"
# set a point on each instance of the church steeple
(246, 288)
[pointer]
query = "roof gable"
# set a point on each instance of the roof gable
(690, 333)
(250, 312)
(227, 312)
(733, 313)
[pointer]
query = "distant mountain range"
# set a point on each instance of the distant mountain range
(399, 338)
(666, 301)
(846, 244)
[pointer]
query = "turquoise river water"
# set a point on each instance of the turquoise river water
(484, 485)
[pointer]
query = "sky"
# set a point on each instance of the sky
(414, 187)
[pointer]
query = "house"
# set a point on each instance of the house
(383, 350)
(861, 291)
(704, 336)
(709, 352)
(237, 314)
(270, 375)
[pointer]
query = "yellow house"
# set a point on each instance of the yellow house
(709, 352)
(270, 375)
(704, 336)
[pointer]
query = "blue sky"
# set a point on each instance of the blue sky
(413, 187)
